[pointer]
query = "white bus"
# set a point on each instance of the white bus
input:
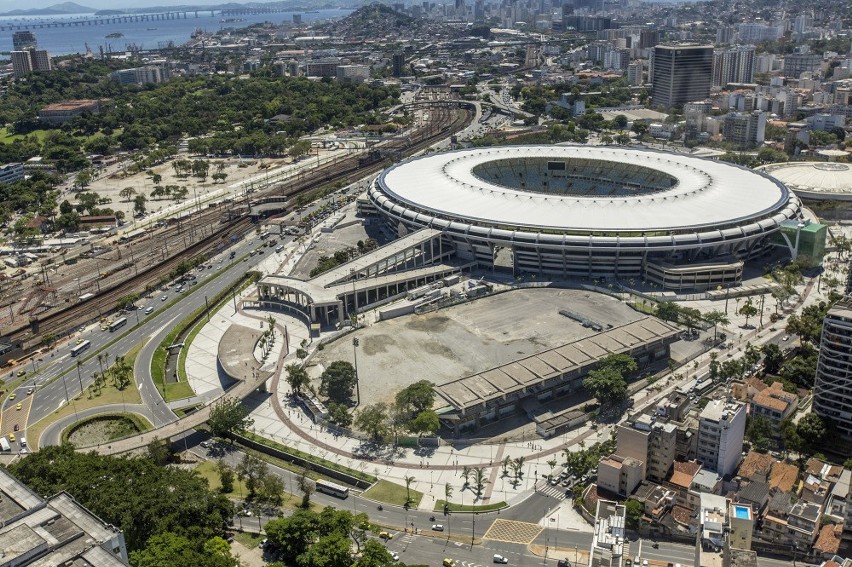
(80, 348)
(117, 324)
(332, 488)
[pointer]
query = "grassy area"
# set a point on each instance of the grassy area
(248, 539)
(309, 458)
(209, 471)
(455, 507)
(7, 137)
(391, 493)
(109, 394)
(127, 424)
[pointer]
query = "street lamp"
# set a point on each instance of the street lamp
(355, 343)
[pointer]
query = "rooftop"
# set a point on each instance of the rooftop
(705, 193)
(521, 374)
(717, 410)
(783, 476)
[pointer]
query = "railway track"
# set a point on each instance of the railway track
(446, 121)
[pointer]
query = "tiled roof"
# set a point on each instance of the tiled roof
(783, 476)
(756, 463)
(827, 542)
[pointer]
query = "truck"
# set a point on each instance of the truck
(4, 444)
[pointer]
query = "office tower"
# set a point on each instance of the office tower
(30, 60)
(733, 65)
(22, 40)
(682, 73)
(695, 113)
(833, 386)
(721, 426)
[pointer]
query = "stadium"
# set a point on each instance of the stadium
(590, 212)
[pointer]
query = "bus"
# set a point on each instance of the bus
(332, 488)
(117, 324)
(80, 348)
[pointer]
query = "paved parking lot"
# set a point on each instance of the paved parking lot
(465, 339)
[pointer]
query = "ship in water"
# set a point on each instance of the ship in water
(231, 20)
(114, 35)
(151, 29)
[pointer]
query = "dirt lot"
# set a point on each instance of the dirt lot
(469, 338)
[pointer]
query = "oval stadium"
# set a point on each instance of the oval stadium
(590, 212)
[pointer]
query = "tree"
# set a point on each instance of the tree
(139, 204)
(375, 554)
(773, 356)
(338, 381)
(226, 477)
(606, 384)
(293, 535)
(634, 512)
(329, 551)
(479, 477)
(425, 423)
(790, 436)
(158, 450)
(465, 474)
(668, 311)
(759, 431)
(251, 470)
(408, 481)
(417, 397)
(717, 318)
(167, 549)
(156, 179)
(748, 310)
(811, 430)
(373, 421)
(339, 415)
(297, 377)
(270, 491)
(135, 494)
(227, 416)
(127, 193)
(308, 487)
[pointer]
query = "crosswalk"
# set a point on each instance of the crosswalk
(557, 491)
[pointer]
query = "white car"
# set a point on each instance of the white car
(437, 527)
(165, 297)
(395, 555)
(500, 559)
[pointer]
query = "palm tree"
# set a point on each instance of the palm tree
(408, 481)
(466, 476)
(481, 481)
(716, 318)
(448, 493)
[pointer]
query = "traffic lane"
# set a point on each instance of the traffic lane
(667, 552)
(51, 394)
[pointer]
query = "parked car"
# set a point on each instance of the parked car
(500, 559)
(437, 527)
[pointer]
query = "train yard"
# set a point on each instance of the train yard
(107, 271)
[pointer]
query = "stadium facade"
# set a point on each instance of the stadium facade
(591, 212)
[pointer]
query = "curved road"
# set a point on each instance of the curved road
(52, 434)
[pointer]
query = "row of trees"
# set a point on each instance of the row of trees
(411, 411)
(331, 538)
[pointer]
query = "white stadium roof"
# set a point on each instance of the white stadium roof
(707, 193)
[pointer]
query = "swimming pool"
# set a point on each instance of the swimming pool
(742, 512)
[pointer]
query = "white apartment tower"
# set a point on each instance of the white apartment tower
(721, 427)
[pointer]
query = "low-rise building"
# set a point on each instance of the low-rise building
(53, 531)
(63, 112)
(774, 404)
(11, 172)
(619, 475)
(608, 543)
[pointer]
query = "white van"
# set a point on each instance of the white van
(4, 444)
(149, 310)
(23, 441)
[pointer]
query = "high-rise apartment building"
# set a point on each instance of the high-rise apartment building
(745, 129)
(733, 65)
(797, 63)
(634, 74)
(721, 427)
(398, 62)
(682, 73)
(833, 386)
(24, 40)
(30, 60)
